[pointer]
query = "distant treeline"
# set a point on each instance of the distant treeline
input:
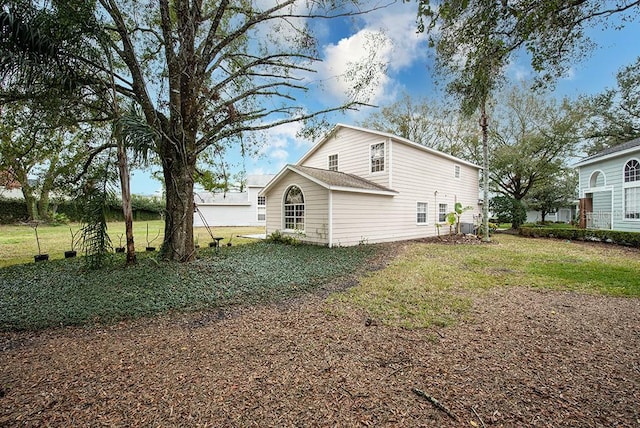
(144, 208)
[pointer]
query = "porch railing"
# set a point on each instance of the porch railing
(599, 220)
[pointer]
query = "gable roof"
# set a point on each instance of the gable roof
(228, 198)
(384, 135)
(610, 152)
(332, 180)
(258, 180)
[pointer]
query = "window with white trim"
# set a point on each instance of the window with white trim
(632, 190)
(377, 155)
(442, 213)
(294, 209)
(333, 162)
(456, 171)
(422, 208)
(262, 208)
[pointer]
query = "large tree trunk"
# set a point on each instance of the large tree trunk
(485, 171)
(47, 185)
(178, 168)
(30, 201)
(27, 193)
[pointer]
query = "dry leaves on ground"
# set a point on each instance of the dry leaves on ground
(523, 358)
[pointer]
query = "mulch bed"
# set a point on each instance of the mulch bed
(522, 358)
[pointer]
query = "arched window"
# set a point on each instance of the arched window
(632, 171)
(632, 190)
(597, 179)
(294, 209)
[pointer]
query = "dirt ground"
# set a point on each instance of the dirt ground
(522, 358)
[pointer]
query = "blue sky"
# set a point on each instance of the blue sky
(406, 55)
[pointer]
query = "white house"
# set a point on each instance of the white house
(232, 208)
(362, 186)
(609, 184)
(565, 215)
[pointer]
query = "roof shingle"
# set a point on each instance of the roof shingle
(340, 179)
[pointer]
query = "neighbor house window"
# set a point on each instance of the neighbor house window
(294, 209)
(262, 208)
(333, 162)
(456, 171)
(422, 208)
(442, 213)
(377, 157)
(632, 189)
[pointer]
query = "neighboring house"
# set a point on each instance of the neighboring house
(363, 186)
(609, 184)
(10, 188)
(233, 208)
(565, 215)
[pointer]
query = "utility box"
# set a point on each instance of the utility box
(467, 228)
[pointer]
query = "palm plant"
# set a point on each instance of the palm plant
(454, 217)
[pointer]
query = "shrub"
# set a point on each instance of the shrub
(278, 238)
(59, 218)
(631, 239)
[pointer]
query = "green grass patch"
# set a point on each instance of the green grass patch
(18, 243)
(64, 292)
(433, 284)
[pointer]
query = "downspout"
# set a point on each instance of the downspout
(390, 163)
(330, 218)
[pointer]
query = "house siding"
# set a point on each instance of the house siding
(418, 175)
(363, 218)
(352, 148)
(611, 200)
(342, 217)
(316, 228)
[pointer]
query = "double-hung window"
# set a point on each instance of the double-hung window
(377, 156)
(262, 208)
(442, 213)
(333, 162)
(422, 208)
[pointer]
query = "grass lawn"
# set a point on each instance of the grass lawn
(432, 284)
(18, 243)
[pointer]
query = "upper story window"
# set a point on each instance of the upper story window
(333, 162)
(262, 201)
(294, 209)
(377, 157)
(632, 171)
(456, 171)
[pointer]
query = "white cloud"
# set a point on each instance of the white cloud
(387, 43)
(281, 144)
(363, 57)
(569, 74)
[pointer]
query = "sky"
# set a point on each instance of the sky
(405, 55)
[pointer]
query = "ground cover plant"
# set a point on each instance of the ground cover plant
(65, 292)
(433, 284)
(18, 243)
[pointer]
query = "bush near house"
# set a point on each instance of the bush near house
(631, 239)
